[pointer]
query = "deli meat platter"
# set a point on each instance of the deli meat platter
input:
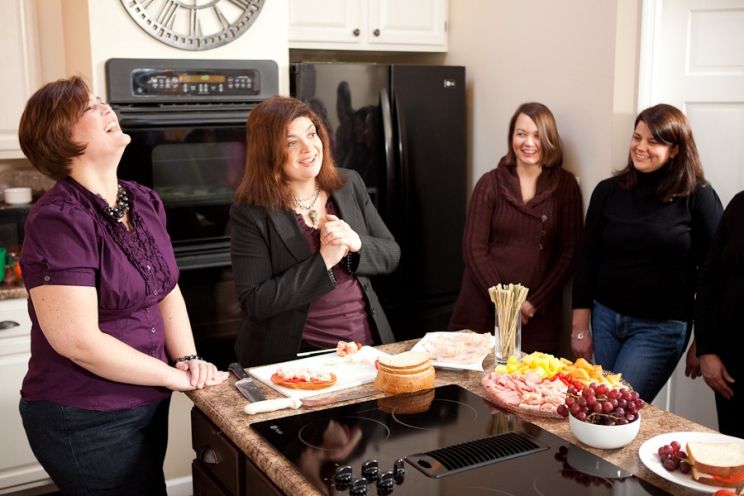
(350, 371)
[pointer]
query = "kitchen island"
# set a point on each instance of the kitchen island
(230, 451)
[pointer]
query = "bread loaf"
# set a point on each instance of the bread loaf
(405, 372)
(407, 403)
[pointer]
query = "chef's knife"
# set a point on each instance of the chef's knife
(245, 384)
(310, 401)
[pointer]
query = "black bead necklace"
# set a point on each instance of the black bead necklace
(121, 207)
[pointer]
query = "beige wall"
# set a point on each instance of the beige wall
(579, 57)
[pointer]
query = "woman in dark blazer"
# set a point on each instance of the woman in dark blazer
(719, 330)
(305, 239)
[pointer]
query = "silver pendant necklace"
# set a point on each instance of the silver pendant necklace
(310, 207)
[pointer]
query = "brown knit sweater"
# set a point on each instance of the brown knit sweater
(508, 241)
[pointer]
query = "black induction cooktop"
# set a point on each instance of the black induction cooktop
(440, 441)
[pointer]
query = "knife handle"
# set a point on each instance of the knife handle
(238, 370)
(272, 405)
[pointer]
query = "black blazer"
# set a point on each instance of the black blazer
(276, 276)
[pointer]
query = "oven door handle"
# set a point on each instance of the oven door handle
(181, 118)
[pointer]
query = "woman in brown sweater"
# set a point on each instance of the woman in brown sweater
(523, 226)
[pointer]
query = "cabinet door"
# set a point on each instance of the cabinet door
(315, 23)
(18, 466)
(20, 61)
(419, 25)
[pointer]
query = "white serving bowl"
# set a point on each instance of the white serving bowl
(604, 436)
(17, 196)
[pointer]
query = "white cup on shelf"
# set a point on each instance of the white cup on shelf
(17, 196)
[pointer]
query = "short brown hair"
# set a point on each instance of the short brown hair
(263, 180)
(550, 141)
(46, 125)
(668, 125)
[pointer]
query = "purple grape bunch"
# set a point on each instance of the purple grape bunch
(598, 404)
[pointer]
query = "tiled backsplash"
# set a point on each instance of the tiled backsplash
(20, 173)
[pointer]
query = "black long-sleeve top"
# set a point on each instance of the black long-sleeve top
(719, 326)
(639, 255)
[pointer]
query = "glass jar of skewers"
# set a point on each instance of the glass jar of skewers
(507, 300)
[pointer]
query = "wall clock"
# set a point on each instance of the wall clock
(194, 24)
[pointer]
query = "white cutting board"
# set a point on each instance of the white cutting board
(351, 371)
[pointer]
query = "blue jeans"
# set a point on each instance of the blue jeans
(644, 351)
(88, 452)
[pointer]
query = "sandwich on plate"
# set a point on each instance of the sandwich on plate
(717, 464)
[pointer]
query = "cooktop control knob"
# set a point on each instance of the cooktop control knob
(399, 471)
(370, 469)
(359, 487)
(385, 483)
(342, 477)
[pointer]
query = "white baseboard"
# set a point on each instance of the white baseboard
(182, 486)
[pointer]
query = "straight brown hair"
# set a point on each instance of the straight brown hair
(668, 125)
(263, 181)
(46, 126)
(547, 129)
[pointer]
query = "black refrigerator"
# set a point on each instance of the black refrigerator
(402, 127)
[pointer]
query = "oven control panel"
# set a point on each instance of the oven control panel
(165, 82)
(144, 83)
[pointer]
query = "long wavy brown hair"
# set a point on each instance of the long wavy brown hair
(668, 125)
(263, 182)
(547, 129)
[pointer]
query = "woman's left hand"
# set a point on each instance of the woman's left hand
(202, 373)
(335, 231)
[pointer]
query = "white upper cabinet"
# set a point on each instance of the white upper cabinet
(375, 25)
(20, 63)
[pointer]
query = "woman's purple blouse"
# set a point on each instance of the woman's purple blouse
(70, 240)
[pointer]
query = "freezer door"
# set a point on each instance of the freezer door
(347, 98)
(429, 104)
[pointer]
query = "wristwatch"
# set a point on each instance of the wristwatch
(580, 335)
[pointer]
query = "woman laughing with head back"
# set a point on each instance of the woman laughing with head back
(110, 336)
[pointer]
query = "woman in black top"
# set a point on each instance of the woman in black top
(719, 328)
(647, 231)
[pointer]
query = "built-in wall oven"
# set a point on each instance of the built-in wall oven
(187, 121)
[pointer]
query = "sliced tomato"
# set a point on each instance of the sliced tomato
(724, 492)
(737, 479)
(377, 364)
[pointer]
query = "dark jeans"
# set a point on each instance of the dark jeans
(87, 452)
(644, 351)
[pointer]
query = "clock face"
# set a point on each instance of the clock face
(194, 24)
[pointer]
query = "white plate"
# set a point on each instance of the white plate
(650, 457)
(351, 371)
(454, 339)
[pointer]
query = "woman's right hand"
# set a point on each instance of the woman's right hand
(331, 252)
(582, 344)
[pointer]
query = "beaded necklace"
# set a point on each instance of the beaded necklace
(121, 207)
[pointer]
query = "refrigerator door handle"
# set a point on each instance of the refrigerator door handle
(403, 180)
(387, 136)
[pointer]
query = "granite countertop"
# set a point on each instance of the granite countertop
(223, 404)
(8, 292)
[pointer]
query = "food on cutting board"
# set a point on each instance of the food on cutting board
(528, 393)
(303, 378)
(405, 372)
(716, 464)
(345, 348)
(598, 404)
(456, 347)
